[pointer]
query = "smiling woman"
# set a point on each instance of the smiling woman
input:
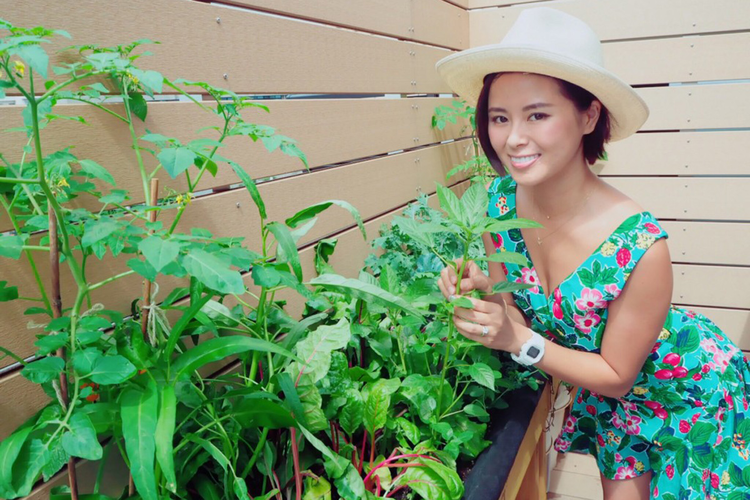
(663, 399)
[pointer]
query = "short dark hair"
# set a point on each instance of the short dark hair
(593, 143)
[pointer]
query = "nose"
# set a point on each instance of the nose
(517, 137)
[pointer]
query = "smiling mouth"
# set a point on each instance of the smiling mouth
(523, 161)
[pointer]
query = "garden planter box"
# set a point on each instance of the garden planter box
(515, 464)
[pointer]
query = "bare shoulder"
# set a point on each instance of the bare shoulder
(618, 204)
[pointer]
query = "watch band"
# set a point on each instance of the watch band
(531, 351)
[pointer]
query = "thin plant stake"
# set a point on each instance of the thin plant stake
(146, 283)
(54, 261)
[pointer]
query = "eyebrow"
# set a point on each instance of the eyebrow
(536, 105)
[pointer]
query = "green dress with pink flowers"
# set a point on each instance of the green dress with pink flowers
(686, 418)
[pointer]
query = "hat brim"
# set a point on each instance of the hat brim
(464, 73)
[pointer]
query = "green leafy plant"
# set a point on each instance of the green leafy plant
(477, 167)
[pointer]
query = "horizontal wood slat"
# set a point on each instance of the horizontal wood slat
(693, 198)
(713, 286)
(258, 53)
(683, 59)
(373, 187)
(429, 21)
(709, 242)
(683, 153)
(614, 20)
(698, 106)
(327, 130)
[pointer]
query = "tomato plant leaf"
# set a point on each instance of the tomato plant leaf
(213, 272)
(80, 440)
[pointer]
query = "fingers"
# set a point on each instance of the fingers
(471, 330)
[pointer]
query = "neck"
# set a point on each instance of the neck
(557, 197)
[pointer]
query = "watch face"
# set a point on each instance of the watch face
(533, 352)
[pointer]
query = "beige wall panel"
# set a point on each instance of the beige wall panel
(722, 199)
(478, 4)
(714, 286)
(430, 21)
(614, 20)
(327, 130)
(683, 59)
(697, 106)
(683, 153)
(369, 186)
(734, 322)
(464, 4)
(19, 400)
(258, 53)
(709, 242)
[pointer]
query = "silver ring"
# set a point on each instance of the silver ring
(485, 331)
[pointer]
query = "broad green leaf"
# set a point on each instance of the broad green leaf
(111, 370)
(251, 187)
(352, 413)
(159, 252)
(213, 272)
(287, 249)
(58, 458)
(463, 302)
(476, 411)
(317, 489)
(220, 348)
(138, 105)
(482, 374)
(139, 416)
(7, 293)
(43, 370)
(207, 489)
(315, 350)
(508, 286)
(335, 464)
(265, 275)
(80, 440)
(510, 257)
(96, 230)
(262, 413)
(97, 171)
(35, 57)
(364, 291)
(377, 404)
(34, 456)
(350, 485)
(450, 203)
(85, 359)
(313, 210)
(176, 160)
(474, 204)
(9, 451)
(48, 344)
(164, 436)
(11, 246)
(143, 268)
(423, 232)
(498, 226)
(433, 481)
(409, 430)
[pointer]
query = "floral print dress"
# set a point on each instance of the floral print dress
(686, 418)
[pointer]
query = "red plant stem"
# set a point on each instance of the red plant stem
(362, 455)
(278, 485)
(334, 438)
(386, 463)
(295, 457)
(372, 448)
(400, 487)
(377, 484)
(54, 262)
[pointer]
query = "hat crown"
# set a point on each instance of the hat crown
(554, 31)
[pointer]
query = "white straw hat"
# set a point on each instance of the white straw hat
(549, 42)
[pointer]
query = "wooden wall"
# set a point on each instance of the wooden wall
(688, 164)
(357, 89)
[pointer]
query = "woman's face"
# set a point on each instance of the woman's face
(536, 131)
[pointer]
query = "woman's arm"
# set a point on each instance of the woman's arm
(634, 321)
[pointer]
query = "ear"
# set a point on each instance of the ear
(591, 116)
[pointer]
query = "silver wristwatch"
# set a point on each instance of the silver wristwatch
(531, 351)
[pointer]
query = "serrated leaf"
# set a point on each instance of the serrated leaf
(213, 272)
(95, 170)
(97, 230)
(450, 203)
(142, 268)
(508, 257)
(482, 374)
(176, 160)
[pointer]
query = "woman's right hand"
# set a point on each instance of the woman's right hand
(473, 279)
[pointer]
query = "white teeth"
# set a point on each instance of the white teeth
(523, 159)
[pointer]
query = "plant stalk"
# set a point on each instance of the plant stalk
(146, 283)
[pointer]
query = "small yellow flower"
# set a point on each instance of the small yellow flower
(184, 199)
(132, 78)
(725, 478)
(639, 466)
(639, 391)
(20, 68)
(63, 182)
(645, 241)
(608, 249)
(664, 334)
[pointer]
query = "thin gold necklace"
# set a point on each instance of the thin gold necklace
(576, 212)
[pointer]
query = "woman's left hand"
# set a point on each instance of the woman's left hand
(487, 323)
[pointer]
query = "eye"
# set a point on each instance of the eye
(498, 119)
(538, 116)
